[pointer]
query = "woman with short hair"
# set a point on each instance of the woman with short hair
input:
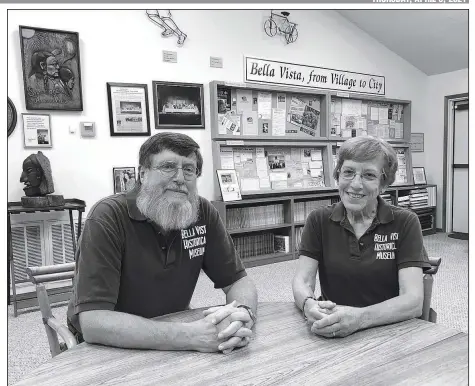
(369, 255)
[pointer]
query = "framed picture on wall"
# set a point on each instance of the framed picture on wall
(51, 69)
(128, 109)
(229, 185)
(178, 105)
(37, 130)
(417, 142)
(123, 179)
(419, 175)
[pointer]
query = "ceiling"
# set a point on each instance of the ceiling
(434, 41)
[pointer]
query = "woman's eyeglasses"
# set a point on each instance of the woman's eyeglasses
(350, 174)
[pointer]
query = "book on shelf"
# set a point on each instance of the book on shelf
(254, 216)
(281, 243)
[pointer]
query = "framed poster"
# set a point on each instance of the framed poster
(419, 175)
(123, 179)
(178, 105)
(51, 69)
(37, 130)
(417, 142)
(128, 109)
(228, 183)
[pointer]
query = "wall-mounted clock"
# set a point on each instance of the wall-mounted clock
(11, 117)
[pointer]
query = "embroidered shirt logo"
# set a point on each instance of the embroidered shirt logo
(194, 240)
(385, 248)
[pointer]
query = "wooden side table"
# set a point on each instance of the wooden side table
(70, 205)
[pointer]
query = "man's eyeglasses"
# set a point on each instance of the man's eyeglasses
(170, 169)
(350, 174)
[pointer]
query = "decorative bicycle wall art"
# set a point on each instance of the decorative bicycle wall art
(280, 24)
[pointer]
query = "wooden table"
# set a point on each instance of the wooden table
(283, 351)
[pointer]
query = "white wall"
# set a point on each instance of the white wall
(124, 46)
(438, 87)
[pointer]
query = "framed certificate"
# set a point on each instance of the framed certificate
(128, 109)
(37, 130)
(419, 174)
(228, 182)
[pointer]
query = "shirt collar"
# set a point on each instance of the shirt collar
(134, 212)
(384, 215)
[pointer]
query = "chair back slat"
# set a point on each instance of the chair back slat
(52, 277)
(46, 269)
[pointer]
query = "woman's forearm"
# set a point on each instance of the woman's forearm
(393, 310)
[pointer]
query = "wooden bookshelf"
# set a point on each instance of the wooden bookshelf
(242, 130)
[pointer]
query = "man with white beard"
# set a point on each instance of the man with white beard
(140, 255)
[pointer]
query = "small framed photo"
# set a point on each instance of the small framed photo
(123, 179)
(229, 185)
(128, 109)
(419, 174)
(178, 105)
(37, 130)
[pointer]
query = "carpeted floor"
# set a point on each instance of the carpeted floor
(28, 346)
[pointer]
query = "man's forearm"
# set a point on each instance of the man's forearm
(124, 330)
(302, 290)
(393, 310)
(244, 292)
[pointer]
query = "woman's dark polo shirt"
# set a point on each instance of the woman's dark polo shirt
(362, 272)
(125, 263)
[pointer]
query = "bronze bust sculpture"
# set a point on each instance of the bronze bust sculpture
(38, 182)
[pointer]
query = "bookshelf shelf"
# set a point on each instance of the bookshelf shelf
(267, 259)
(258, 229)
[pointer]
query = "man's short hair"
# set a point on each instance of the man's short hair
(178, 143)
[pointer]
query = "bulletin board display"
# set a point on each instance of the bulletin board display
(246, 112)
(272, 168)
(355, 117)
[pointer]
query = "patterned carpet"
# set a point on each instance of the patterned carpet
(28, 346)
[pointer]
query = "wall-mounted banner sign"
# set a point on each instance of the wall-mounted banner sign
(282, 73)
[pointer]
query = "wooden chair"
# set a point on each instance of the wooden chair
(45, 274)
(427, 312)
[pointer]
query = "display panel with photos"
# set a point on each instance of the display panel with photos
(178, 105)
(252, 112)
(128, 109)
(274, 168)
(351, 117)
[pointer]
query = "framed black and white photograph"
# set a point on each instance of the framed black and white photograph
(51, 69)
(123, 179)
(178, 105)
(229, 185)
(128, 109)
(37, 130)
(419, 175)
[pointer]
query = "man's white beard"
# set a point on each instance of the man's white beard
(168, 215)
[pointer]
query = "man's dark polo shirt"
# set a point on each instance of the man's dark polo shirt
(362, 272)
(125, 263)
